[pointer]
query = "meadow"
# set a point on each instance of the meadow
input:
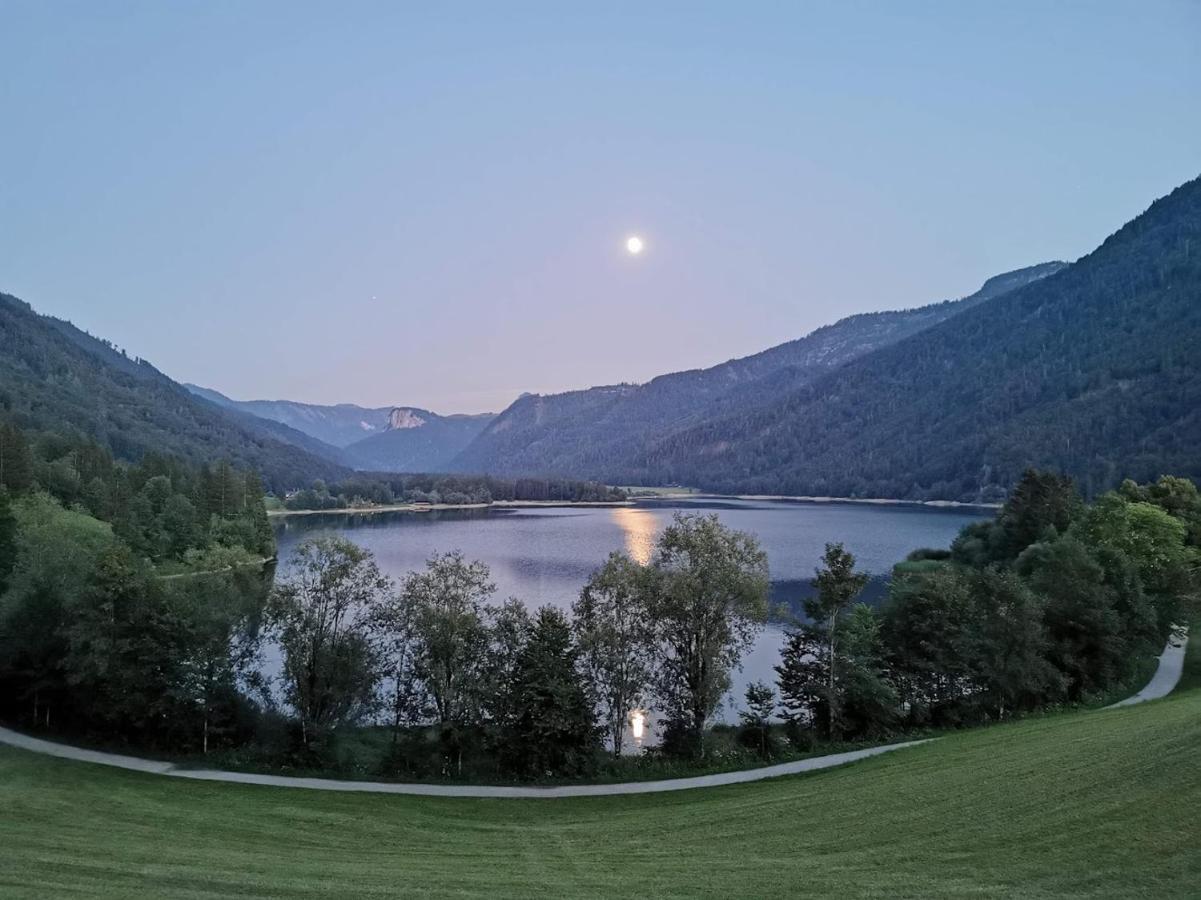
(1086, 804)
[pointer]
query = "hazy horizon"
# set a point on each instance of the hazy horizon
(428, 208)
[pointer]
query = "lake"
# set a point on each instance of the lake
(544, 555)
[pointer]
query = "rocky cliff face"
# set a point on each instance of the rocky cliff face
(401, 418)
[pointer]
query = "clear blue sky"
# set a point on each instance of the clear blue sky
(425, 204)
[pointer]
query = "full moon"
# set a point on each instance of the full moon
(634, 245)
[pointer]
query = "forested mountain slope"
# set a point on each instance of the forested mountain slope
(607, 431)
(383, 439)
(54, 377)
(1095, 370)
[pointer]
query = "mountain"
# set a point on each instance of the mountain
(55, 378)
(337, 426)
(383, 439)
(1094, 370)
(607, 431)
(416, 440)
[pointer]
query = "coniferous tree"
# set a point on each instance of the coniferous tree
(8, 539)
(16, 463)
(804, 680)
(551, 727)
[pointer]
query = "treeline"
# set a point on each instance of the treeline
(128, 594)
(475, 689)
(382, 489)
(162, 508)
(1052, 602)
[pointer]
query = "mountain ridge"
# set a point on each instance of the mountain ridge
(376, 439)
(1094, 371)
(598, 430)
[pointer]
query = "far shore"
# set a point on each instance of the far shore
(519, 504)
(433, 507)
(875, 501)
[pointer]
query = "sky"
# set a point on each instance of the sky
(427, 204)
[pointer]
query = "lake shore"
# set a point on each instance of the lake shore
(871, 501)
(434, 507)
(683, 495)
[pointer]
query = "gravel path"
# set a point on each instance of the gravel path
(1167, 675)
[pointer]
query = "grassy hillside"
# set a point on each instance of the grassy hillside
(1085, 804)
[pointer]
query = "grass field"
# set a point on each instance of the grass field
(1084, 804)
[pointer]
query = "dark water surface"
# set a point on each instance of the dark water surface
(544, 555)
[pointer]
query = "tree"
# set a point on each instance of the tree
(508, 628)
(927, 633)
(1083, 627)
(833, 675)
(615, 635)
(838, 584)
(217, 608)
(708, 592)
(1040, 501)
(16, 463)
(1153, 539)
(322, 610)
(1010, 643)
(124, 647)
(756, 718)
(392, 624)
(551, 727)
(57, 552)
(8, 539)
(867, 697)
(1178, 497)
(448, 608)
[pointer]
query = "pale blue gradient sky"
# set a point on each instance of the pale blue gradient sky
(393, 203)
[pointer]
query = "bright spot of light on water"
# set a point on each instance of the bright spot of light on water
(638, 529)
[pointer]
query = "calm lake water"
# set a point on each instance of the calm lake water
(544, 555)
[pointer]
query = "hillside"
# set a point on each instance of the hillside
(1098, 804)
(54, 377)
(383, 439)
(339, 425)
(1095, 370)
(605, 431)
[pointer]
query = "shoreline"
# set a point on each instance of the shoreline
(533, 504)
(437, 507)
(871, 501)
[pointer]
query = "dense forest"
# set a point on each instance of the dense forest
(378, 489)
(56, 378)
(606, 429)
(125, 590)
(130, 612)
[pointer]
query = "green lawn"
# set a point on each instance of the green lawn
(1084, 804)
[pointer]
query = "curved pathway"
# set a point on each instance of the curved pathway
(1166, 677)
(1167, 673)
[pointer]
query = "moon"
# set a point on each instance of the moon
(634, 245)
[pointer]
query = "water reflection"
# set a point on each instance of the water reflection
(638, 531)
(545, 555)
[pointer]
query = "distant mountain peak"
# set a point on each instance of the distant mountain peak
(401, 417)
